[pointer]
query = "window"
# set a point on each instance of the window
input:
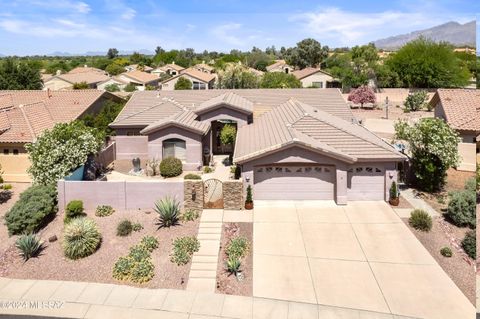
(318, 85)
(287, 170)
(278, 169)
(199, 85)
(359, 169)
(318, 169)
(326, 170)
(378, 170)
(15, 152)
(260, 170)
(175, 148)
(369, 169)
(308, 169)
(6, 151)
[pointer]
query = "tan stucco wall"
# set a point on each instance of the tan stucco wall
(317, 77)
(15, 168)
(56, 84)
(170, 85)
(468, 161)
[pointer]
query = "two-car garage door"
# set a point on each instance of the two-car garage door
(294, 182)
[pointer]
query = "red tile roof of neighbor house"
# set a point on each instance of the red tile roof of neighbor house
(202, 76)
(275, 65)
(85, 69)
(303, 73)
(25, 114)
(141, 77)
(461, 107)
(296, 123)
(91, 77)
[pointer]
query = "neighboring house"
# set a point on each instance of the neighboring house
(200, 80)
(113, 80)
(139, 79)
(134, 67)
(306, 141)
(460, 108)
(24, 115)
(255, 71)
(170, 69)
(203, 67)
(280, 66)
(86, 69)
(313, 77)
(67, 80)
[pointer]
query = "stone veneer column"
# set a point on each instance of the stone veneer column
(232, 194)
(193, 202)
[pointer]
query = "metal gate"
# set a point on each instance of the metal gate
(212, 193)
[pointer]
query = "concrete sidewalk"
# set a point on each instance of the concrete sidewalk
(93, 300)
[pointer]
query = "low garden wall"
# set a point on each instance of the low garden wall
(118, 194)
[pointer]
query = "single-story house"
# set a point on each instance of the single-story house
(171, 69)
(200, 80)
(460, 108)
(139, 79)
(314, 77)
(304, 141)
(67, 80)
(24, 115)
(86, 69)
(203, 67)
(280, 66)
(134, 67)
(113, 80)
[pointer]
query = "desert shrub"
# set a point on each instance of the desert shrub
(35, 207)
(171, 167)
(362, 95)
(7, 187)
(207, 169)
(192, 176)
(129, 87)
(233, 265)
(138, 253)
(104, 210)
(124, 228)
(168, 210)
(73, 210)
(469, 244)
(137, 227)
(446, 252)
(189, 215)
(122, 268)
(238, 247)
(81, 238)
(462, 205)
(150, 243)
(29, 246)
(183, 249)
(416, 101)
(420, 220)
(142, 271)
(112, 87)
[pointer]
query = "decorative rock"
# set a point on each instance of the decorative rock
(52, 238)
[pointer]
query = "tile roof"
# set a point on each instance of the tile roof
(162, 110)
(185, 119)
(294, 122)
(461, 107)
(146, 68)
(278, 63)
(141, 77)
(230, 99)
(205, 77)
(85, 69)
(303, 73)
(25, 114)
(91, 77)
(204, 66)
(173, 66)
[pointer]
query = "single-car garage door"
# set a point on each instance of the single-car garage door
(294, 182)
(366, 183)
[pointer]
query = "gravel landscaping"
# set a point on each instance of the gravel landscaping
(227, 283)
(52, 264)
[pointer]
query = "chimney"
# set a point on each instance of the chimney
(173, 62)
(49, 93)
(59, 72)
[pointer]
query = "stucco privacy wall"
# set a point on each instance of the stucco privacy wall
(15, 168)
(193, 144)
(129, 147)
(118, 194)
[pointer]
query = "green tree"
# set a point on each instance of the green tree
(433, 146)
(308, 52)
(130, 87)
(112, 87)
(19, 76)
(237, 76)
(274, 80)
(81, 86)
(416, 101)
(107, 115)
(228, 134)
(114, 69)
(183, 84)
(112, 53)
(423, 63)
(59, 151)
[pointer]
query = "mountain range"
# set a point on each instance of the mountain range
(453, 32)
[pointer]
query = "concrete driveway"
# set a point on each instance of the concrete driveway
(359, 256)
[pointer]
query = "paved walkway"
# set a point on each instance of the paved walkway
(359, 256)
(106, 301)
(222, 171)
(203, 272)
(410, 195)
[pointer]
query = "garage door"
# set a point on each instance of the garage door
(366, 183)
(294, 182)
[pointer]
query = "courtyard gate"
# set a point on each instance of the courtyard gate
(213, 193)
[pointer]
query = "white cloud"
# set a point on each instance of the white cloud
(75, 6)
(128, 14)
(190, 27)
(224, 32)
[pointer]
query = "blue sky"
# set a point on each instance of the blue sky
(77, 26)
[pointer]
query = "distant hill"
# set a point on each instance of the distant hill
(453, 32)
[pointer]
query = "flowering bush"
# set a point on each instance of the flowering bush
(59, 151)
(362, 95)
(434, 149)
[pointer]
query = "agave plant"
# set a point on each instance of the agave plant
(233, 265)
(29, 246)
(168, 210)
(81, 238)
